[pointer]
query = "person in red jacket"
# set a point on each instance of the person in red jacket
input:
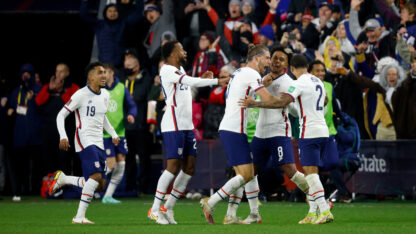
(50, 100)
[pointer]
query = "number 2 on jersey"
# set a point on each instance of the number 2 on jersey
(319, 88)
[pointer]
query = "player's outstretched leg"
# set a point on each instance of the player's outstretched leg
(230, 187)
(60, 180)
(233, 203)
(115, 180)
(252, 193)
(162, 186)
(317, 194)
(86, 197)
(178, 190)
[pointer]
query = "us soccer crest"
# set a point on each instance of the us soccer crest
(108, 151)
(97, 164)
(179, 72)
(180, 151)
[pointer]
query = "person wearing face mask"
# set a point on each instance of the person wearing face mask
(26, 140)
(138, 83)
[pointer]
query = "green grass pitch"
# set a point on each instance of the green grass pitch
(36, 215)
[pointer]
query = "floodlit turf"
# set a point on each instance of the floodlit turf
(36, 215)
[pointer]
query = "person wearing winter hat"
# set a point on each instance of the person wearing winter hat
(266, 35)
(26, 140)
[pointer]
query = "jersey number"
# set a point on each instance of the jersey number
(319, 88)
(183, 87)
(280, 153)
(90, 110)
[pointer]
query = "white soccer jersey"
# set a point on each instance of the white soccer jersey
(178, 97)
(309, 93)
(242, 82)
(275, 122)
(90, 109)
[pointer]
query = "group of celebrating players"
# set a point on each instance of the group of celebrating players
(280, 95)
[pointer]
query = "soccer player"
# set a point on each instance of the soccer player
(233, 127)
(90, 106)
(272, 138)
(116, 155)
(177, 129)
(309, 93)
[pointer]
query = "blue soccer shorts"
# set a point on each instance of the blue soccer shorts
(236, 147)
(179, 144)
(279, 148)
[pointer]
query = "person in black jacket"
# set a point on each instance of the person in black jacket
(138, 83)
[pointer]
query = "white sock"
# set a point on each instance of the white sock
(74, 180)
(313, 207)
(118, 173)
(299, 179)
(86, 197)
(108, 171)
(178, 189)
(230, 187)
(252, 193)
(234, 202)
(162, 185)
(316, 191)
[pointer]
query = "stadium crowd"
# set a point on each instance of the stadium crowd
(366, 49)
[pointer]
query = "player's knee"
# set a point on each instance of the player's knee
(189, 170)
(248, 176)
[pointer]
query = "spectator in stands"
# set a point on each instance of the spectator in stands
(192, 20)
(160, 23)
(324, 23)
(309, 34)
(404, 107)
(242, 36)
(377, 43)
(235, 17)
(266, 36)
(138, 83)
(334, 57)
(156, 103)
(208, 56)
(110, 29)
(340, 34)
(50, 100)
(408, 18)
(391, 77)
(25, 163)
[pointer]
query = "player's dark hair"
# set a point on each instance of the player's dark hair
(167, 49)
(283, 50)
(299, 61)
(313, 63)
(109, 66)
(256, 50)
(91, 67)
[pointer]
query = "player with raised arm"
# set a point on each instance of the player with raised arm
(90, 106)
(177, 129)
(120, 100)
(233, 128)
(272, 136)
(309, 94)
